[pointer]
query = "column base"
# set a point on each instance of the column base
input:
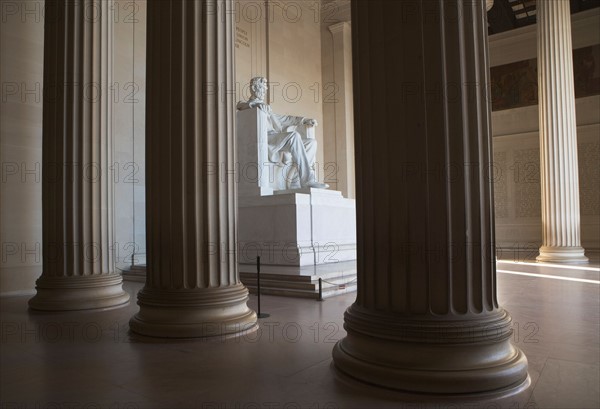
(193, 313)
(562, 255)
(450, 357)
(75, 293)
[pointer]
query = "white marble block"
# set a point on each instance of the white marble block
(294, 227)
(300, 227)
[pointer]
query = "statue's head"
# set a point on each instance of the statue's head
(258, 88)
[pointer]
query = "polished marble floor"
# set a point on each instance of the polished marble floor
(89, 360)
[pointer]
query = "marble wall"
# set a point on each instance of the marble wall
(284, 45)
(516, 173)
(338, 109)
(21, 79)
(22, 39)
(294, 64)
(250, 44)
(129, 96)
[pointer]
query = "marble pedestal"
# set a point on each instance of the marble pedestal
(302, 227)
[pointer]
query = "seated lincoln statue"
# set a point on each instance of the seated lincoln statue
(285, 138)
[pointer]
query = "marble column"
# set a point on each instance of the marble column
(343, 110)
(426, 318)
(192, 282)
(558, 136)
(77, 187)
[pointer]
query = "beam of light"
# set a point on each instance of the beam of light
(520, 273)
(563, 266)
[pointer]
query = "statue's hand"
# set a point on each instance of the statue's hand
(260, 105)
(310, 122)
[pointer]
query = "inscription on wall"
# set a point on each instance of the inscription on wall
(589, 178)
(242, 39)
(526, 174)
(500, 185)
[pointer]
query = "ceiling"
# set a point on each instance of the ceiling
(510, 14)
(504, 15)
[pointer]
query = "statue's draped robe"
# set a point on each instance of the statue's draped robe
(280, 129)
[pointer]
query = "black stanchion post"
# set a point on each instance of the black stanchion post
(320, 290)
(258, 282)
(260, 314)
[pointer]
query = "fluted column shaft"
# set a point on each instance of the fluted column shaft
(192, 284)
(426, 316)
(558, 135)
(77, 190)
(344, 136)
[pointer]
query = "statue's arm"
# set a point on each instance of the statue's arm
(242, 105)
(291, 120)
(284, 120)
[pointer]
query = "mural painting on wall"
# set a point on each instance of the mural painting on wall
(515, 85)
(586, 68)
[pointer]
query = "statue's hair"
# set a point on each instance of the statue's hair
(256, 81)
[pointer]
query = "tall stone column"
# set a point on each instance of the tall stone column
(192, 282)
(77, 187)
(344, 115)
(426, 317)
(558, 136)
